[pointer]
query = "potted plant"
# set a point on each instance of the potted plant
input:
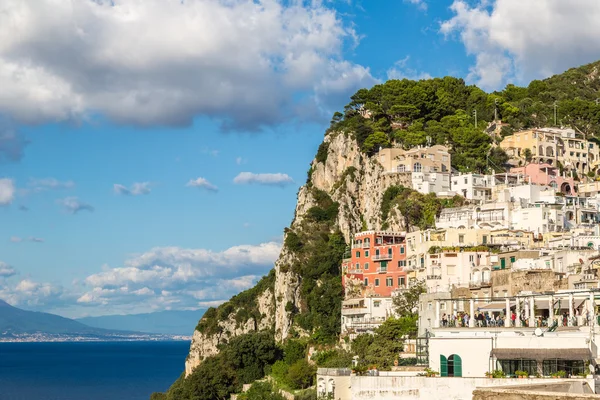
(498, 374)
(559, 374)
(521, 374)
(489, 374)
(430, 373)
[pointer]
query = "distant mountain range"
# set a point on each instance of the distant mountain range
(165, 322)
(22, 325)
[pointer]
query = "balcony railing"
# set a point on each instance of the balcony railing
(434, 277)
(354, 311)
(380, 257)
(354, 271)
(382, 270)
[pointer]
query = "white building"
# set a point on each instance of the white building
(474, 187)
(364, 315)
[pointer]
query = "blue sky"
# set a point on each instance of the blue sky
(151, 151)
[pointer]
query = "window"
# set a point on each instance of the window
(377, 303)
(466, 181)
(502, 263)
(383, 266)
(366, 281)
(471, 258)
(571, 367)
(376, 281)
(357, 266)
(429, 306)
(358, 254)
(485, 239)
(402, 263)
(401, 281)
(389, 282)
(367, 265)
(512, 259)
(451, 366)
(510, 366)
(366, 253)
(417, 167)
(461, 238)
(401, 249)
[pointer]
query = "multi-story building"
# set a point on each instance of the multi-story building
(546, 174)
(553, 146)
(377, 262)
(428, 168)
(474, 187)
(365, 314)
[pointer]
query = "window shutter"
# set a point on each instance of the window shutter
(457, 365)
(443, 366)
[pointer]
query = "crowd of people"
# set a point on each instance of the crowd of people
(497, 319)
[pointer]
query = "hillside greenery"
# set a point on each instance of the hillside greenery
(409, 112)
(398, 112)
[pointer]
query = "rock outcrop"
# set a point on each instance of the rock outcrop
(350, 178)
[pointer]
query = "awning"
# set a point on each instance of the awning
(494, 306)
(542, 354)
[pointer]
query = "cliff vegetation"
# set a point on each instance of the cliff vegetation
(268, 330)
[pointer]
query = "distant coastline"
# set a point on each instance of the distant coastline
(48, 338)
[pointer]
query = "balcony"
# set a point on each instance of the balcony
(381, 257)
(354, 311)
(354, 271)
(382, 270)
(434, 277)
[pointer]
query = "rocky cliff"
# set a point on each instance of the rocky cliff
(354, 184)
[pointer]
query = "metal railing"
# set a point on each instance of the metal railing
(379, 257)
(434, 277)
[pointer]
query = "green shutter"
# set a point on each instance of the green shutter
(503, 263)
(443, 366)
(457, 365)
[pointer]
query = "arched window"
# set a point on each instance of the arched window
(549, 151)
(417, 167)
(541, 150)
(454, 365)
(401, 168)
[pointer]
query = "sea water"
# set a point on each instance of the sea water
(89, 370)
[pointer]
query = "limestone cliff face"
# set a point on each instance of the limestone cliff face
(357, 183)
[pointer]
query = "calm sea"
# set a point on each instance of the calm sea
(89, 371)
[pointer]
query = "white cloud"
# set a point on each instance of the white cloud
(240, 160)
(73, 205)
(400, 70)
(179, 277)
(39, 185)
(277, 179)
(525, 40)
(419, 3)
(33, 294)
(136, 189)
(17, 239)
(6, 270)
(164, 62)
(203, 184)
(7, 191)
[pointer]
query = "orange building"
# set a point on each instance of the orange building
(378, 259)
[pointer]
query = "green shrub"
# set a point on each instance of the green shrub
(322, 152)
(261, 391)
(294, 350)
(301, 375)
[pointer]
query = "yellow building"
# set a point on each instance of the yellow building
(419, 159)
(553, 146)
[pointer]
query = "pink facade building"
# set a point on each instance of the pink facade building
(546, 174)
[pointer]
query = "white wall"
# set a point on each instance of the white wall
(396, 387)
(474, 352)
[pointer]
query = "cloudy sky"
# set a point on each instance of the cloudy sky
(151, 150)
